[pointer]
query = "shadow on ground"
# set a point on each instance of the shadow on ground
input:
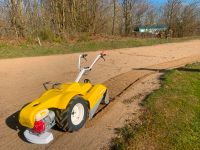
(165, 70)
(13, 123)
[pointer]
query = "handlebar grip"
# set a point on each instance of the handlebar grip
(103, 54)
(84, 55)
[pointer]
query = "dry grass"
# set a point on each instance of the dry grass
(11, 49)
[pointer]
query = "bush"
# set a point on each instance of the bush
(84, 37)
(46, 34)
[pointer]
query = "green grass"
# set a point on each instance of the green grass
(172, 116)
(26, 50)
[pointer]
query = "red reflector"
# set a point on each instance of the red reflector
(39, 126)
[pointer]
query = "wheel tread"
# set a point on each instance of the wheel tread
(62, 118)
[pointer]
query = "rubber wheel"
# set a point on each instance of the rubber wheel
(74, 116)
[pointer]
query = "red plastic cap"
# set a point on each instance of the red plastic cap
(39, 126)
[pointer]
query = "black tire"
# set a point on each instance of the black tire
(63, 117)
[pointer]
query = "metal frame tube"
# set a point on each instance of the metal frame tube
(83, 70)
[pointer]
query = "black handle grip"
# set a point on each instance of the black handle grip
(103, 55)
(84, 56)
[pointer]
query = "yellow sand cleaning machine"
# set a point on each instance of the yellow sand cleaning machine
(65, 105)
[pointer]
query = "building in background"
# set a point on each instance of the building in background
(154, 29)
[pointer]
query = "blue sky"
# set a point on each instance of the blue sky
(154, 2)
(158, 1)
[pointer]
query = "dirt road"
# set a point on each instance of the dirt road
(123, 72)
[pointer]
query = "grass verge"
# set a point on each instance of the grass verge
(26, 50)
(171, 119)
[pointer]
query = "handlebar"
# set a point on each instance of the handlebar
(83, 70)
(101, 55)
(79, 60)
(84, 56)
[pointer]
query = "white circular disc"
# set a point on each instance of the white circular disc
(43, 138)
(77, 114)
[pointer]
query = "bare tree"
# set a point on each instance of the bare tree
(114, 16)
(127, 8)
(63, 18)
(181, 17)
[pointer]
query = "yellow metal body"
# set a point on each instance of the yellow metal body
(59, 98)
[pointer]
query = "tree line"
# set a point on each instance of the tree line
(65, 18)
